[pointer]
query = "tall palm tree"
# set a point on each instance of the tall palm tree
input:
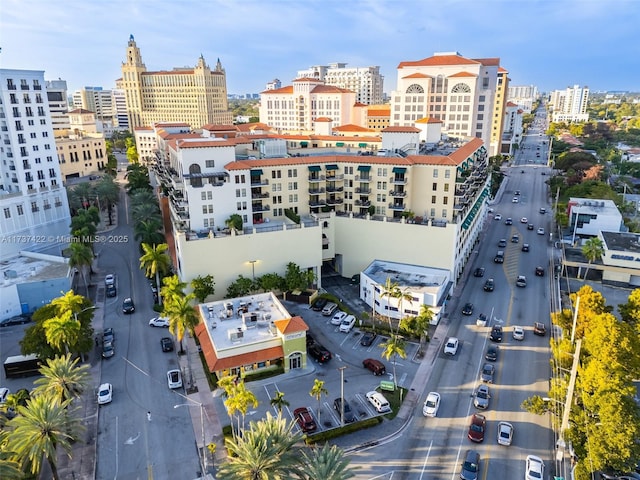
(146, 211)
(62, 379)
(109, 193)
(182, 316)
(240, 401)
(149, 230)
(317, 391)
(393, 290)
(81, 257)
(266, 451)
(62, 331)
(155, 261)
(173, 287)
(279, 402)
(423, 320)
(327, 463)
(592, 250)
(70, 301)
(39, 429)
(394, 347)
(144, 197)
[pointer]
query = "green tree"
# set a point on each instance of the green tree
(62, 331)
(142, 196)
(38, 430)
(182, 316)
(173, 287)
(279, 402)
(234, 222)
(297, 279)
(317, 391)
(203, 287)
(630, 311)
(137, 178)
(149, 231)
(63, 380)
(156, 262)
(81, 257)
(271, 282)
(242, 286)
(394, 347)
(108, 191)
(239, 401)
(592, 250)
(418, 326)
(393, 290)
(327, 462)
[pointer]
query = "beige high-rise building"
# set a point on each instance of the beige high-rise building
(196, 95)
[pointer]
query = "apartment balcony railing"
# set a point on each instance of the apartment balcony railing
(259, 182)
(337, 176)
(316, 178)
(334, 188)
(397, 206)
(399, 180)
(363, 191)
(397, 193)
(363, 178)
(317, 202)
(335, 201)
(258, 207)
(316, 191)
(363, 203)
(259, 195)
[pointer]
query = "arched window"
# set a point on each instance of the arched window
(194, 169)
(460, 88)
(415, 88)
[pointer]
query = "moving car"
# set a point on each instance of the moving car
(496, 333)
(497, 217)
(108, 335)
(477, 427)
(481, 397)
(319, 353)
(543, 210)
(534, 468)
(492, 354)
(107, 350)
(431, 405)
(539, 329)
(338, 317)
(105, 393)
(489, 285)
(451, 347)
(481, 321)
(167, 344)
(305, 420)
(539, 272)
(541, 231)
(376, 366)
(467, 309)
(487, 373)
(111, 291)
(174, 379)
(347, 324)
(518, 333)
(470, 465)
(478, 272)
(521, 281)
(159, 322)
(508, 221)
(514, 200)
(530, 226)
(502, 242)
(128, 306)
(378, 401)
(348, 415)
(524, 220)
(525, 247)
(515, 238)
(505, 433)
(368, 338)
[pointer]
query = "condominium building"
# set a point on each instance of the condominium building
(512, 129)
(367, 82)
(195, 95)
(58, 104)
(120, 118)
(524, 96)
(81, 149)
(96, 100)
(467, 95)
(32, 200)
(569, 105)
(311, 207)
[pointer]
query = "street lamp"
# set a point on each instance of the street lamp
(342, 394)
(253, 269)
(204, 453)
(75, 314)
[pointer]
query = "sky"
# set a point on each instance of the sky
(551, 44)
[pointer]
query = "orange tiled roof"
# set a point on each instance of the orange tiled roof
(428, 120)
(181, 143)
(287, 89)
(503, 70)
(352, 128)
(511, 104)
(417, 75)
(494, 62)
(360, 104)
(140, 129)
(308, 79)
(462, 74)
(329, 89)
(379, 112)
(401, 129)
(170, 124)
(439, 60)
(217, 128)
(291, 325)
(323, 119)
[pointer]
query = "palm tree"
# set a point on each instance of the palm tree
(240, 401)
(144, 197)
(155, 261)
(62, 331)
(109, 193)
(70, 301)
(145, 211)
(80, 257)
(264, 452)
(317, 391)
(327, 463)
(279, 402)
(182, 316)
(234, 222)
(173, 287)
(148, 231)
(62, 380)
(592, 250)
(423, 320)
(394, 347)
(390, 290)
(38, 430)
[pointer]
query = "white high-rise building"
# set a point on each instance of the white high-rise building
(58, 104)
(120, 118)
(365, 81)
(523, 96)
(34, 211)
(96, 100)
(570, 105)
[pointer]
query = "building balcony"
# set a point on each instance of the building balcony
(363, 203)
(37, 87)
(259, 182)
(363, 178)
(259, 195)
(316, 191)
(335, 201)
(258, 207)
(334, 188)
(316, 178)
(11, 87)
(399, 180)
(397, 193)
(338, 176)
(363, 191)
(397, 206)
(317, 202)
(24, 87)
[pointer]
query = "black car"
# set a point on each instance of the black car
(525, 247)
(468, 309)
(17, 320)
(349, 417)
(539, 272)
(368, 338)
(492, 354)
(530, 226)
(111, 291)
(108, 335)
(478, 272)
(496, 334)
(489, 285)
(128, 306)
(319, 353)
(310, 339)
(167, 344)
(319, 304)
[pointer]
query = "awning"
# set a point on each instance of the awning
(304, 144)
(364, 168)
(314, 168)
(362, 144)
(339, 144)
(256, 173)
(331, 166)
(399, 170)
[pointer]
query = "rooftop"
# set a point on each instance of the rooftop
(32, 268)
(419, 279)
(622, 241)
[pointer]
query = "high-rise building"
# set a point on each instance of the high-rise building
(570, 105)
(58, 104)
(467, 95)
(367, 82)
(96, 100)
(195, 95)
(33, 202)
(524, 96)
(120, 118)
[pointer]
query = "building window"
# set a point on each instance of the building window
(203, 195)
(435, 173)
(292, 172)
(276, 174)
(445, 200)
(433, 199)
(20, 210)
(293, 185)
(447, 173)
(444, 213)
(434, 187)
(446, 187)
(209, 163)
(7, 213)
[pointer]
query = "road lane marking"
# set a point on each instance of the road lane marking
(424, 465)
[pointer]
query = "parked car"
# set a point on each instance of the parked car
(174, 379)
(489, 285)
(518, 333)
(431, 404)
(467, 309)
(376, 366)
(105, 394)
(534, 468)
(539, 329)
(347, 324)
(477, 427)
(451, 346)
(107, 350)
(329, 308)
(470, 465)
(167, 344)
(347, 415)
(319, 353)
(492, 354)
(159, 322)
(481, 397)
(478, 272)
(108, 335)
(338, 317)
(319, 304)
(496, 333)
(17, 320)
(305, 420)
(368, 338)
(487, 373)
(505, 433)
(128, 306)
(378, 401)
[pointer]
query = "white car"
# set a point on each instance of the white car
(431, 405)
(347, 324)
(110, 279)
(497, 217)
(518, 333)
(105, 393)
(515, 200)
(524, 220)
(505, 433)
(534, 469)
(541, 231)
(338, 317)
(451, 347)
(174, 379)
(159, 322)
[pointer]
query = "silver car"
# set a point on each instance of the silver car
(481, 397)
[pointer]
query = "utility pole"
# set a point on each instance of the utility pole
(342, 395)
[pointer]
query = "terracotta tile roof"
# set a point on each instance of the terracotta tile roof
(80, 111)
(329, 89)
(429, 120)
(181, 143)
(352, 128)
(418, 75)
(170, 124)
(167, 136)
(287, 89)
(503, 70)
(249, 127)
(401, 129)
(308, 79)
(323, 119)
(511, 104)
(360, 104)
(291, 325)
(494, 62)
(462, 74)
(216, 364)
(379, 112)
(140, 129)
(453, 159)
(439, 60)
(216, 128)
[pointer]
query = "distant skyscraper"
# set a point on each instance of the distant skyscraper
(524, 96)
(366, 82)
(33, 201)
(197, 96)
(96, 100)
(120, 118)
(570, 105)
(274, 84)
(58, 104)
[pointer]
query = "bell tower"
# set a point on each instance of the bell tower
(132, 70)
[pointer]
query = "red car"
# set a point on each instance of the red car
(305, 419)
(477, 428)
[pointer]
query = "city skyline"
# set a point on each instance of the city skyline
(85, 43)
